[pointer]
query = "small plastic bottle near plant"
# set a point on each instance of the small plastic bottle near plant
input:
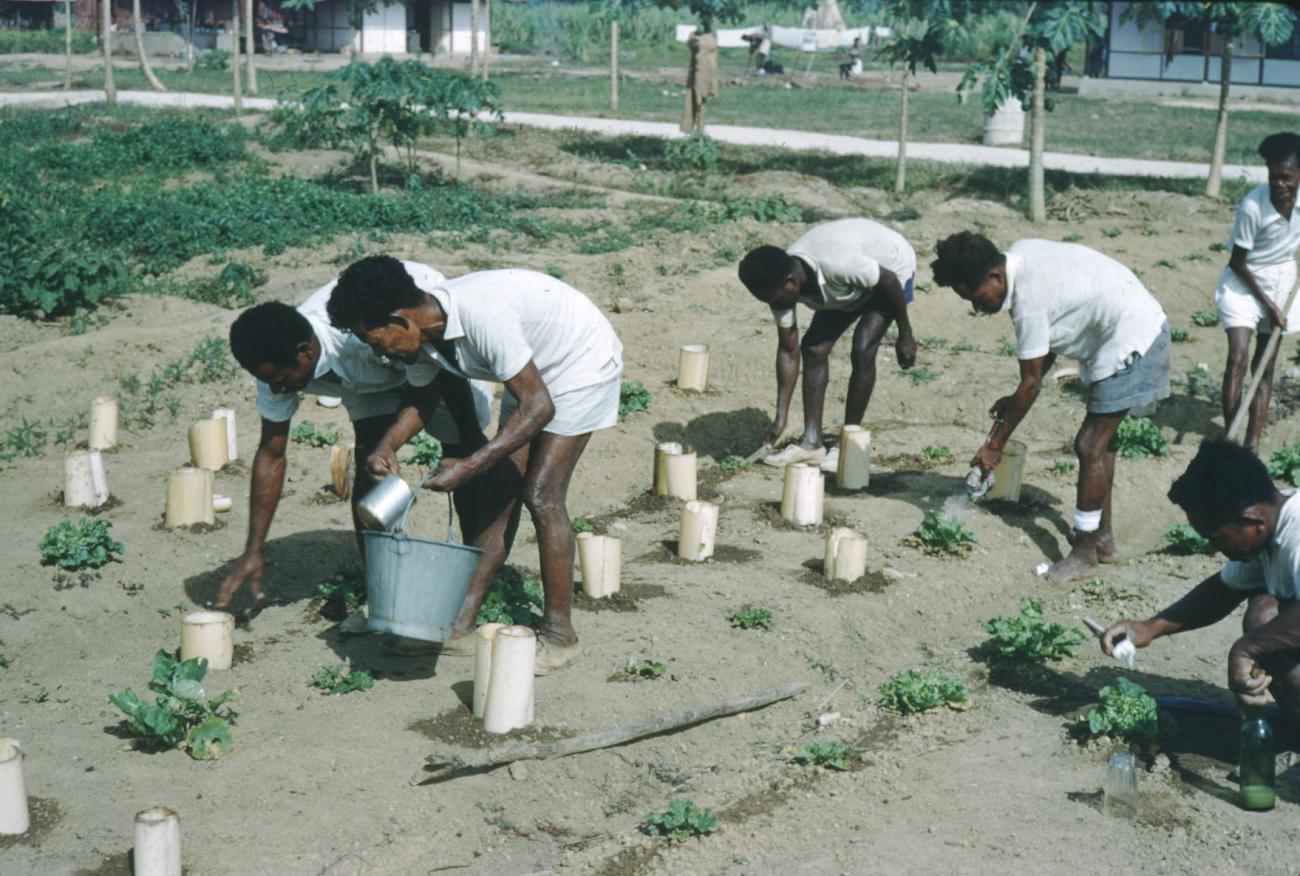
(1256, 765)
(1120, 792)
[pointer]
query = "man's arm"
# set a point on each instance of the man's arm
(1237, 262)
(263, 499)
(416, 408)
(1207, 603)
(1282, 633)
(787, 375)
(891, 290)
(1009, 410)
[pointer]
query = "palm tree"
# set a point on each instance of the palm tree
(138, 26)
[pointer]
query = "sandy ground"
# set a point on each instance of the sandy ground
(321, 784)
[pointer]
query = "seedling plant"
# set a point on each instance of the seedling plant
(1028, 639)
(512, 599)
(911, 691)
(1206, 318)
(343, 595)
(1127, 712)
(937, 453)
(85, 544)
(307, 433)
(582, 524)
(182, 716)
(732, 464)
(639, 667)
(1179, 335)
(831, 755)
(680, 821)
(1285, 464)
(1138, 438)
(1183, 539)
(633, 398)
(752, 619)
(944, 535)
(424, 450)
(340, 679)
(1064, 466)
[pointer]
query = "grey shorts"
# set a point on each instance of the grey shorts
(1144, 382)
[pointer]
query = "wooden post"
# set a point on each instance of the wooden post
(613, 65)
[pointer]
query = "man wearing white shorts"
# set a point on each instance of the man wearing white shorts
(561, 364)
(1073, 301)
(1261, 272)
(294, 350)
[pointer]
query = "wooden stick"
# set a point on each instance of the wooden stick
(1274, 341)
(504, 754)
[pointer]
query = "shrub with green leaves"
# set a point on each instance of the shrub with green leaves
(307, 433)
(944, 535)
(911, 691)
(936, 453)
(1138, 438)
(512, 599)
(639, 667)
(696, 152)
(1284, 464)
(84, 544)
(1206, 318)
(1029, 639)
(182, 716)
(1179, 335)
(1200, 383)
(732, 464)
(751, 618)
(830, 754)
(232, 288)
(633, 398)
(1127, 712)
(680, 821)
(424, 450)
(339, 679)
(1183, 539)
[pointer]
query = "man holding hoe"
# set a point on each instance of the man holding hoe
(291, 351)
(848, 271)
(561, 365)
(1066, 299)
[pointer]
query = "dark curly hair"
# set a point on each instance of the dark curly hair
(764, 270)
(965, 259)
(268, 333)
(1277, 148)
(1222, 481)
(369, 290)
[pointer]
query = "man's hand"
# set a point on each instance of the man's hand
(774, 433)
(905, 349)
(383, 461)
(1275, 313)
(1246, 679)
(451, 475)
(1000, 407)
(986, 459)
(247, 568)
(1137, 632)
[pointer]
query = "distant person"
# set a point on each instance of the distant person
(760, 49)
(1066, 299)
(851, 272)
(1230, 499)
(1261, 273)
(852, 68)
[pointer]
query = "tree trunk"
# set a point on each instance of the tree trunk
(613, 65)
(138, 21)
(487, 36)
(250, 45)
(1037, 201)
(234, 56)
(1221, 124)
(67, 45)
(473, 38)
(106, 43)
(900, 177)
(374, 172)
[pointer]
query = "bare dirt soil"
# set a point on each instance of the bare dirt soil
(321, 784)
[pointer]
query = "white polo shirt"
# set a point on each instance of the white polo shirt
(846, 257)
(1277, 568)
(1073, 301)
(1260, 228)
(347, 367)
(498, 320)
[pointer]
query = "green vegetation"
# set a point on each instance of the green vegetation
(732, 464)
(1183, 539)
(512, 599)
(748, 618)
(342, 596)
(937, 453)
(1027, 638)
(307, 433)
(85, 544)
(424, 450)
(1285, 464)
(340, 679)
(831, 755)
(232, 288)
(1112, 232)
(1007, 348)
(644, 668)
(1138, 438)
(1127, 712)
(911, 691)
(1206, 318)
(15, 41)
(918, 375)
(633, 398)
(1179, 335)
(1071, 238)
(1064, 466)
(1196, 257)
(1200, 383)
(1165, 263)
(581, 524)
(182, 715)
(696, 152)
(941, 534)
(680, 821)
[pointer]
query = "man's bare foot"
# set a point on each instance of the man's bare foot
(1107, 553)
(1081, 562)
(560, 635)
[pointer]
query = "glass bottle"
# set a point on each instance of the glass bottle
(1120, 791)
(1256, 764)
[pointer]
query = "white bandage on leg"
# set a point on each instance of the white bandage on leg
(1087, 521)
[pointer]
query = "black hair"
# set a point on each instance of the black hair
(1222, 481)
(268, 333)
(1279, 147)
(965, 259)
(368, 291)
(764, 270)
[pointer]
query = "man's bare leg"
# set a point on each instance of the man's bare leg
(1091, 445)
(862, 382)
(1284, 669)
(498, 495)
(816, 346)
(551, 462)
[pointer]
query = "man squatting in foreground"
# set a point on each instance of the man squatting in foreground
(847, 271)
(561, 364)
(291, 351)
(1066, 299)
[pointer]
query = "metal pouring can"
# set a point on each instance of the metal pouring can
(385, 505)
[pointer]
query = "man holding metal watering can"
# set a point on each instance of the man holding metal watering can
(561, 364)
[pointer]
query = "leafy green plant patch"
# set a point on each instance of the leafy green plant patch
(84, 544)
(182, 715)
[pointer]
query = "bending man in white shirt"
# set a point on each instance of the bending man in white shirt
(1069, 300)
(848, 271)
(561, 364)
(1230, 499)
(291, 351)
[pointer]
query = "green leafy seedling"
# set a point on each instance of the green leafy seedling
(1183, 539)
(1200, 383)
(644, 668)
(1127, 712)
(1206, 318)
(1027, 638)
(911, 691)
(84, 544)
(582, 524)
(1165, 263)
(633, 398)
(1179, 335)
(1285, 464)
(831, 755)
(343, 595)
(512, 599)
(1072, 238)
(340, 679)
(937, 453)
(307, 433)
(1006, 348)
(1112, 232)
(1197, 257)
(1064, 466)
(424, 450)
(181, 716)
(1138, 438)
(1218, 247)
(732, 464)
(943, 535)
(751, 618)
(918, 375)
(680, 821)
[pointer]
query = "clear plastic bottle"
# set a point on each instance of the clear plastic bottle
(1256, 764)
(1120, 791)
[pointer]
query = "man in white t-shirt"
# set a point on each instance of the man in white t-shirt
(1069, 300)
(1230, 499)
(848, 271)
(561, 365)
(1261, 273)
(295, 350)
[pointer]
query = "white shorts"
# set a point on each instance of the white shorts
(1240, 309)
(578, 412)
(362, 406)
